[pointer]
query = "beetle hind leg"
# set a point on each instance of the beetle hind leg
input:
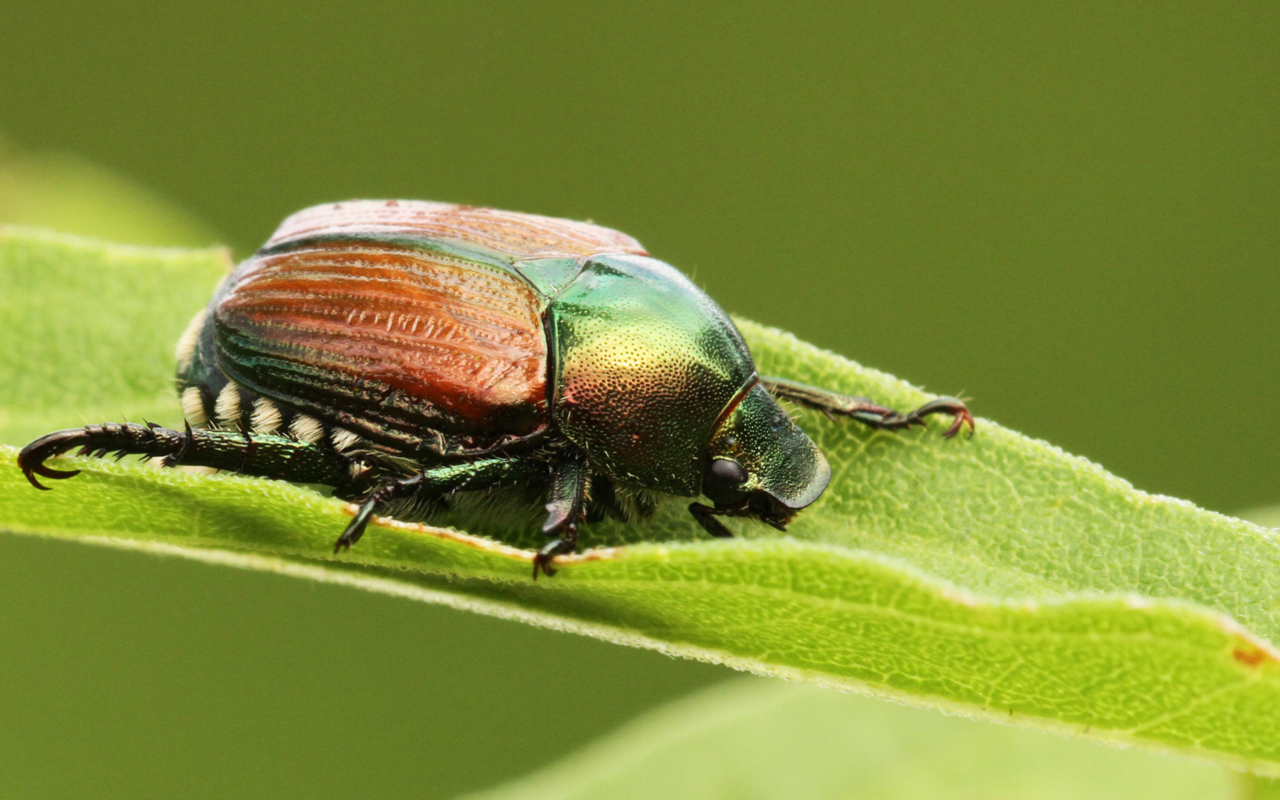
(259, 454)
(31, 459)
(868, 413)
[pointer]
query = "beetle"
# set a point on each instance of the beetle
(403, 351)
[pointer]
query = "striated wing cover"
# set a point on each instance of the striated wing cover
(418, 350)
(506, 234)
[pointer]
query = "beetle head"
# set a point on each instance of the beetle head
(759, 461)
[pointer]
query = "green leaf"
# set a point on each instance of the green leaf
(767, 739)
(995, 576)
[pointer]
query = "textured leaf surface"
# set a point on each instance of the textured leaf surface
(997, 576)
(767, 740)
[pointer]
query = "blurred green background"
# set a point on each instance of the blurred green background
(1070, 213)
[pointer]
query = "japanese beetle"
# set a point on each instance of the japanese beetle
(401, 351)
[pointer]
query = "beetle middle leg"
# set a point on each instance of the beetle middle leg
(867, 412)
(434, 483)
(566, 509)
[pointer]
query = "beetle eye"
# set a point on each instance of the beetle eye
(724, 480)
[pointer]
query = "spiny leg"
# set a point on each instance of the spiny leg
(867, 412)
(433, 483)
(565, 510)
(265, 455)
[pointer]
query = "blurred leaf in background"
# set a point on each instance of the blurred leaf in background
(72, 194)
(1268, 516)
(767, 740)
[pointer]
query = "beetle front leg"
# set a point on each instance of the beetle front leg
(566, 509)
(706, 517)
(431, 484)
(868, 413)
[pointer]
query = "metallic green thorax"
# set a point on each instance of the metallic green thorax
(644, 365)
